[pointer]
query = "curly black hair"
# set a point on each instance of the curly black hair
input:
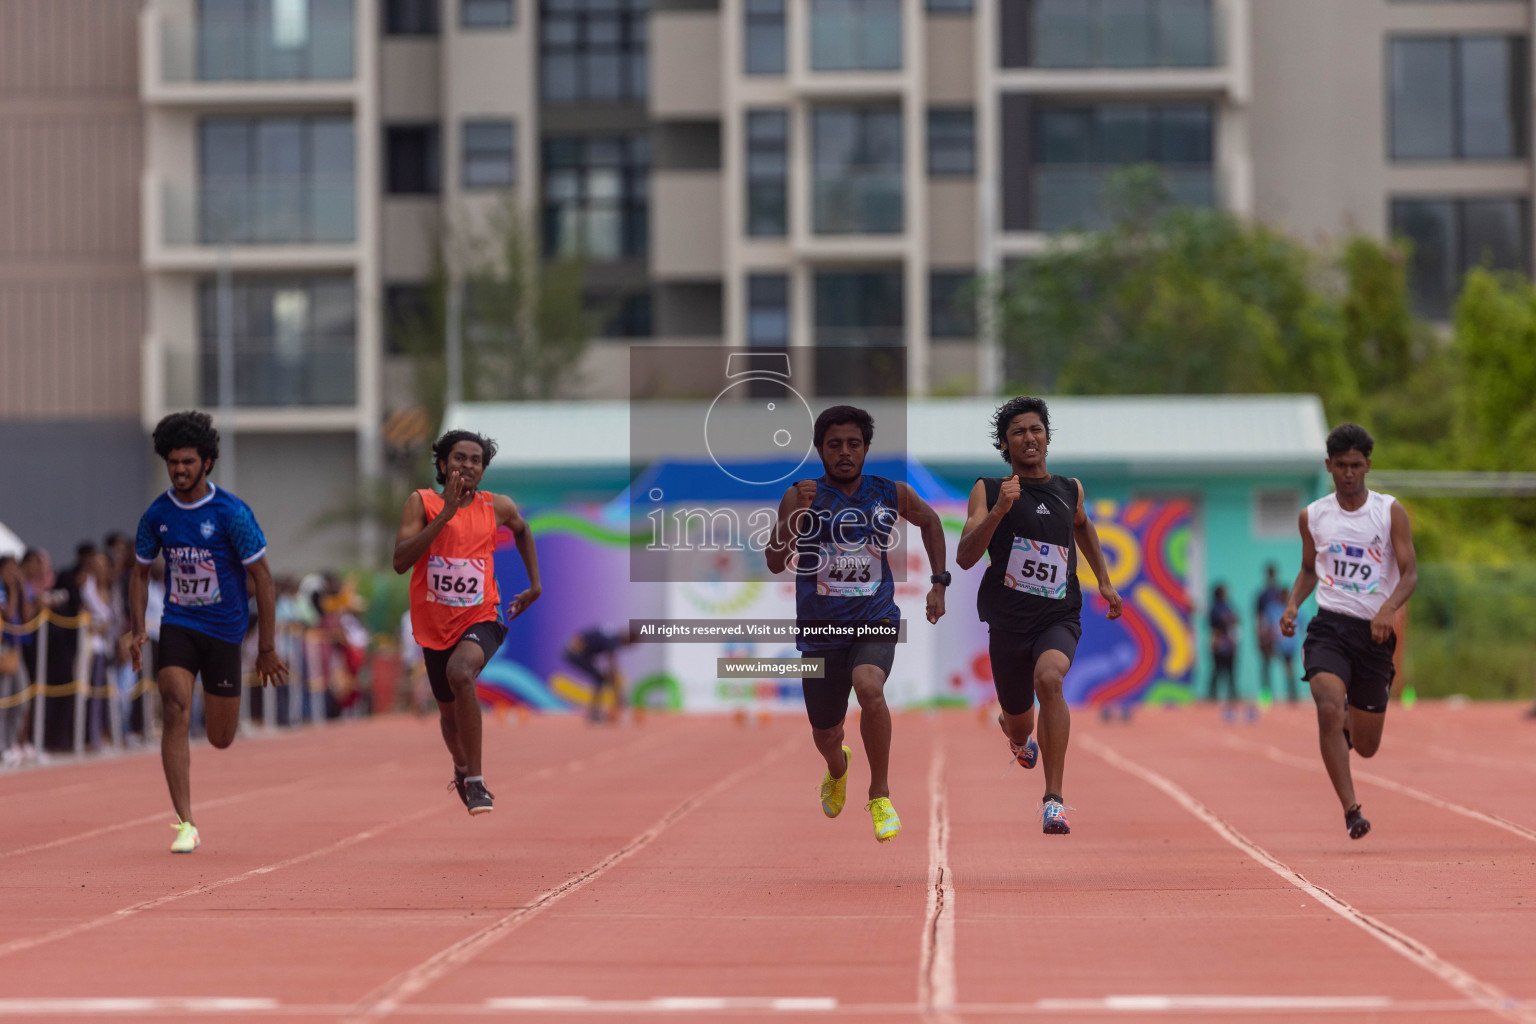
(1350, 437)
(838, 414)
(443, 447)
(1017, 407)
(191, 429)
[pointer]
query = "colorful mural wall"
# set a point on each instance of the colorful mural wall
(1146, 655)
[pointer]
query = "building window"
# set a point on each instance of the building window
(951, 141)
(764, 41)
(1108, 33)
(623, 316)
(487, 13)
(949, 6)
(266, 41)
(860, 307)
(768, 309)
(1077, 150)
(490, 154)
(295, 340)
(596, 196)
(276, 180)
(767, 172)
(412, 160)
(951, 304)
(1459, 98)
(407, 316)
(855, 35)
(1451, 236)
(410, 17)
(593, 50)
(1275, 512)
(857, 162)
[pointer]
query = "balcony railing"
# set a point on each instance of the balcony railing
(1075, 197)
(1138, 34)
(868, 203)
(267, 375)
(274, 210)
(299, 40)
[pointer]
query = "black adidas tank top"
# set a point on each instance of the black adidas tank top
(1031, 579)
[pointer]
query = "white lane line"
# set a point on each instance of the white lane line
(1481, 992)
(36, 1007)
(1167, 1004)
(32, 942)
(936, 976)
(387, 998)
(1284, 757)
(667, 1004)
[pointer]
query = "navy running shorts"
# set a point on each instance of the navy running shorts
(826, 699)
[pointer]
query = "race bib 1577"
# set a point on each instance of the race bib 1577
(458, 582)
(1036, 568)
(193, 584)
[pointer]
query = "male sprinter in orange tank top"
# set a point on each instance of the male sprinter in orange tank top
(450, 540)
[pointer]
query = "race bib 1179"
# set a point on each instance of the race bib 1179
(1354, 570)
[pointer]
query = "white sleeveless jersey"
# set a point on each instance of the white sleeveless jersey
(1356, 568)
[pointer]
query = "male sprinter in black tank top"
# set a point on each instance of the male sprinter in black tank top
(1029, 596)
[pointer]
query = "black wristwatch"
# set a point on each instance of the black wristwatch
(941, 578)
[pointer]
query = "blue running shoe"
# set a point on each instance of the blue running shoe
(1053, 817)
(1028, 755)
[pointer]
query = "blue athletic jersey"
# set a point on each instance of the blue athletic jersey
(207, 546)
(843, 572)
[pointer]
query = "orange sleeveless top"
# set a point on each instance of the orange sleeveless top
(453, 586)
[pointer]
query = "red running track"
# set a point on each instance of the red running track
(682, 870)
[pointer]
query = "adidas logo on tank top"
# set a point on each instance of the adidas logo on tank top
(1042, 510)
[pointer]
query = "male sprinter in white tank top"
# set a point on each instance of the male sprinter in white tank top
(1357, 550)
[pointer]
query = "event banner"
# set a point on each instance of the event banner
(1145, 655)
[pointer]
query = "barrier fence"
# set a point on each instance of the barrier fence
(320, 686)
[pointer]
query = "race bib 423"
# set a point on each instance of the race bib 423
(853, 571)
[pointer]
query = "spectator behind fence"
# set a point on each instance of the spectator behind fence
(12, 680)
(63, 646)
(96, 585)
(1224, 629)
(1267, 608)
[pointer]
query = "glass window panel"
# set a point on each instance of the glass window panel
(225, 146)
(1063, 34)
(1430, 226)
(1065, 137)
(1184, 135)
(1128, 37)
(1489, 90)
(949, 6)
(1125, 135)
(859, 308)
(951, 306)
(1423, 116)
(410, 17)
(880, 33)
(280, 146)
(603, 30)
(488, 154)
(330, 55)
(1493, 234)
(486, 13)
(332, 148)
(951, 141)
(768, 309)
(765, 47)
(1185, 34)
(603, 77)
(834, 35)
(559, 78)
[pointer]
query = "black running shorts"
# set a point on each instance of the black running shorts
(1013, 661)
(217, 661)
(826, 699)
(488, 635)
(1341, 645)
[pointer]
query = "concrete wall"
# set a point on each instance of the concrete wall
(66, 480)
(290, 480)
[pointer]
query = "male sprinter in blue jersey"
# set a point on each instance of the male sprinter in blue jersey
(841, 528)
(210, 541)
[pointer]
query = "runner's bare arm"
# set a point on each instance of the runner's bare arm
(911, 507)
(980, 524)
(268, 665)
(416, 534)
(778, 549)
(138, 599)
(508, 515)
(1088, 543)
(1407, 570)
(1306, 579)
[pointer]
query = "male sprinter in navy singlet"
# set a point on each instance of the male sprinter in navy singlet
(1031, 525)
(1357, 551)
(842, 528)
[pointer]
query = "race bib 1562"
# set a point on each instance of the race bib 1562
(1352, 569)
(193, 584)
(1036, 568)
(458, 582)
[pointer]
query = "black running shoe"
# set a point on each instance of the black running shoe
(458, 784)
(1356, 822)
(477, 798)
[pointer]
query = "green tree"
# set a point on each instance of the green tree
(1496, 343)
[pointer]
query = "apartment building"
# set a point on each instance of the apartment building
(742, 172)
